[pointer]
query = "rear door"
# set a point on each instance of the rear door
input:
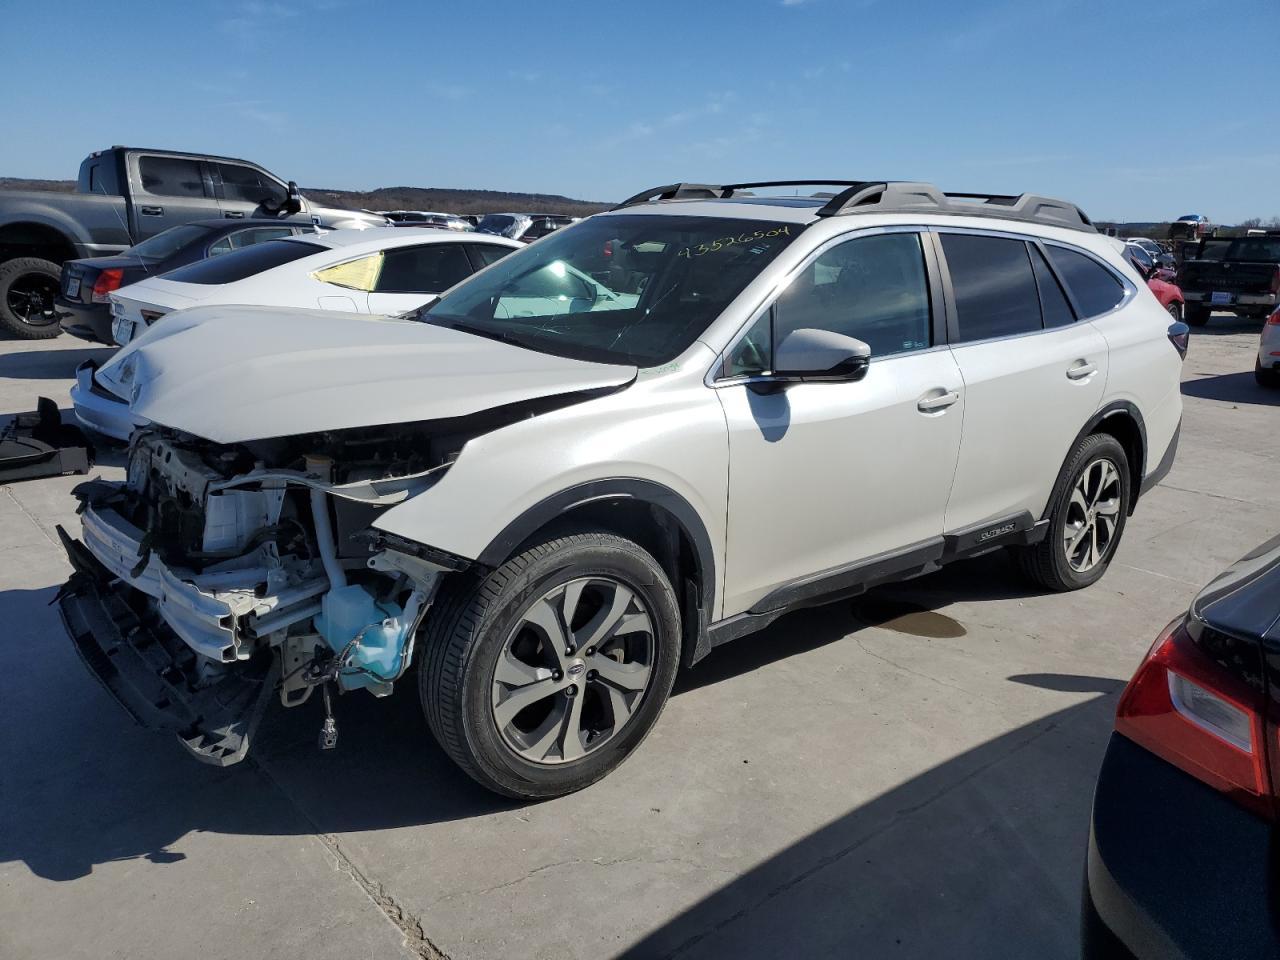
(1033, 373)
(167, 191)
(411, 276)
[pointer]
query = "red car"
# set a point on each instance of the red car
(1169, 294)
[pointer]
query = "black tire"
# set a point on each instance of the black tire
(470, 629)
(27, 288)
(1046, 563)
(1196, 316)
(1268, 377)
(1175, 311)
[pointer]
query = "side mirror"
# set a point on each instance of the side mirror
(820, 355)
(293, 203)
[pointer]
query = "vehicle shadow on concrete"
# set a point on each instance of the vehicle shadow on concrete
(50, 364)
(980, 856)
(1232, 388)
(88, 787)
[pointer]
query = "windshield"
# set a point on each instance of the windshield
(620, 289)
(168, 242)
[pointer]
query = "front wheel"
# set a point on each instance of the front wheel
(27, 288)
(1175, 311)
(1088, 510)
(543, 676)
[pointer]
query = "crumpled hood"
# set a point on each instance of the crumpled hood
(232, 374)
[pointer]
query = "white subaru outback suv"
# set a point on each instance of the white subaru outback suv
(606, 454)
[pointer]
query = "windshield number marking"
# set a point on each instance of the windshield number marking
(724, 243)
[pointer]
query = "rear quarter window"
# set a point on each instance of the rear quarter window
(244, 263)
(1094, 288)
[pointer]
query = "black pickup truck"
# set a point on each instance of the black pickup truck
(1239, 275)
(123, 196)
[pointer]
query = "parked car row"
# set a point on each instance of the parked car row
(125, 195)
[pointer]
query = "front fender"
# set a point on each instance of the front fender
(662, 440)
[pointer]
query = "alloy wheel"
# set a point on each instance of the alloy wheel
(30, 299)
(573, 670)
(1093, 513)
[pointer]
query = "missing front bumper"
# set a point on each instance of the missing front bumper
(147, 668)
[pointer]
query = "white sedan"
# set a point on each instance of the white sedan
(383, 270)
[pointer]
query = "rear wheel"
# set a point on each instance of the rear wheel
(1089, 507)
(27, 288)
(1266, 376)
(1175, 311)
(543, 676)
(1197, 316)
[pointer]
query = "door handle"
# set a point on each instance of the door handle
(153, 211)
(234, 214)
(1080, 369)
(929, 404)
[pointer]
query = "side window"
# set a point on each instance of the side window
(753, 354)
(486, 253)
(171, 176)
(994, 287)
(1053, 302)
(359, 274)
(872, 288)
(426, 269)
(1095, 288)
(248, 185)
(247, 238)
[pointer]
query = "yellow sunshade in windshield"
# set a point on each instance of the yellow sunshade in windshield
(359, 274)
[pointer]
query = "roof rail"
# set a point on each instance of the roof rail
(675, 191)
(902, 196)
(890, 196)
(709, 191)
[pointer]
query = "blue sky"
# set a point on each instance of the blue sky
(1133, 110)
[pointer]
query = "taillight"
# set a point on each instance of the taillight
(608, 248)
(1183, 707)
(107, 281)
(1274, 319)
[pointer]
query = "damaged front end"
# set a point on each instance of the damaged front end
(218, 575)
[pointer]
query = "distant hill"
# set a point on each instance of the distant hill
(449, 200)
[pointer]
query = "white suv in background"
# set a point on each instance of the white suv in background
(635, 440)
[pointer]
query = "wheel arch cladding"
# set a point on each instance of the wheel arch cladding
(654, 516)
(1122, 420)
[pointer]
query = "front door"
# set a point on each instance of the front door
(826, 476)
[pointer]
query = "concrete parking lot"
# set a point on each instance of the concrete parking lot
(908, 774)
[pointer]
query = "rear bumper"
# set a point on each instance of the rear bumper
(151, 672)
(88, 321)
(1175, 869)
(1239, 300)
(101, 411)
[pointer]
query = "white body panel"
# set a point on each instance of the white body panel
(1026, 399)
(667, 428)
(312, 370)
(827, 474)
(1269, 343)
